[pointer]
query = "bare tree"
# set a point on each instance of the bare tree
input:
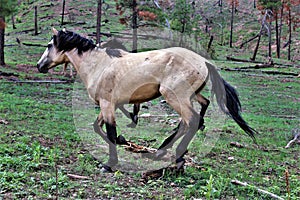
(265, 27)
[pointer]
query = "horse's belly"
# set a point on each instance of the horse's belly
(145, 93)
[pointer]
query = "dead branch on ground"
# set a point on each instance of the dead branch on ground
(296, 139)
(74, 176)
(236, 182)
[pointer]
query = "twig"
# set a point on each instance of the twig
(236, 182)
(297, 137)
(74, 176)
(148, 115)
(40, 81)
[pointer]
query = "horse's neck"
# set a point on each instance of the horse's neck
(89, 66)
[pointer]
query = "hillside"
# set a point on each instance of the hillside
(49, 149)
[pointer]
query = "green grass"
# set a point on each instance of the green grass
(41, 144)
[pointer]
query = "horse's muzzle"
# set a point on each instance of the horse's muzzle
(42, 69)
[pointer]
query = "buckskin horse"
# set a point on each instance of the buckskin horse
(114, 77)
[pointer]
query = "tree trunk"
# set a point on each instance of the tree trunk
(210, 42)
(99, 13)
(35, 21)
(254, 4)
(2, 32)
(277, 36)
(231, 24)
(134, 26)
(63, 13)
(280, 27)
(290, 35)
(13, 22)
(270, 41)
(221, 6)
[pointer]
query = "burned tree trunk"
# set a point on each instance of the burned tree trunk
(290, 35)
(231, 24)
(63, 12)
(99, 13)
(35, 21)
(2, 32)
(134, 26)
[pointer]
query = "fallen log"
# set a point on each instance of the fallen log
(242, 60)
(258, 66)
(263, 72)
(34, 45)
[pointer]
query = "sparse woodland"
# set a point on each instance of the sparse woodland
(254, 44)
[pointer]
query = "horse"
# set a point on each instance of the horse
(114, 77)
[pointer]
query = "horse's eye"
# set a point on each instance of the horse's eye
(49, 46)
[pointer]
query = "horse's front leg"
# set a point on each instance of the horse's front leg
(107, 117)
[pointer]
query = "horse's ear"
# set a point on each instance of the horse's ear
(55, 32)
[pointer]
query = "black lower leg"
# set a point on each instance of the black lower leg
(112, 137)
(202, 113)
(167, 142)
(134, 115)
(111, 133)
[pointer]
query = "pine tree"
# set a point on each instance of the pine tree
(7, 7)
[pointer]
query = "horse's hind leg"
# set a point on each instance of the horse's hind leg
(168, 143)
(190, 121)
(204, 102)
(133, 116)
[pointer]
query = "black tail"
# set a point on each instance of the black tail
(228, 100)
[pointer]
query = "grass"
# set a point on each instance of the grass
(40, 143)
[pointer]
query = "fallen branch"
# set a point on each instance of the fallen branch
(41, 81)
(74, 176)
(296, 139)
(148, 115)
(237, 145)
(263, 72)
(7, 74)
(258, 66)
(259, 62)
(236, 182)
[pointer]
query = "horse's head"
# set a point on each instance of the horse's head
(52, 56)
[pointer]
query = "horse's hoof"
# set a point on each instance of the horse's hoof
(132, 125)
(180, 164)
(201, 128)
(106, 169)
(160, 153)
(121, 140)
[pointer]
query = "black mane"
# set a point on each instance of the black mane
(67, 40)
